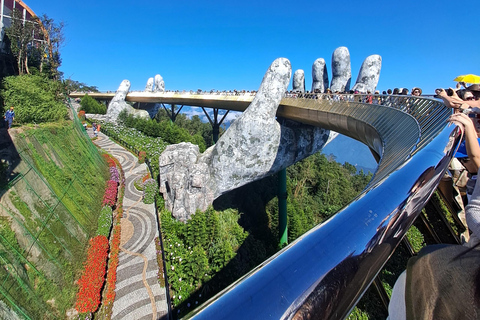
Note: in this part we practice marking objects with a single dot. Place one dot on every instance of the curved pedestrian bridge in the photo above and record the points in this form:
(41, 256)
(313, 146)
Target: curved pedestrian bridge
(324, 273)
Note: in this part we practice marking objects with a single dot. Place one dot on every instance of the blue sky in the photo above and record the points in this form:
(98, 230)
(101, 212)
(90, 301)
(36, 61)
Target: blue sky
(228, 45)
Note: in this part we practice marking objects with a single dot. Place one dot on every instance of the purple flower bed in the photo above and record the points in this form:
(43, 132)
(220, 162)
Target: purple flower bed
(114, 175)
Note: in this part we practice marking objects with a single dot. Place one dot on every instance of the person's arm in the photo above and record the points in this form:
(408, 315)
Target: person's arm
(471, 142)
(472, 211)
(455, 102)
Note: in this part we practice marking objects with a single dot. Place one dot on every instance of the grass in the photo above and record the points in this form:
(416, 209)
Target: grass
(54, 211)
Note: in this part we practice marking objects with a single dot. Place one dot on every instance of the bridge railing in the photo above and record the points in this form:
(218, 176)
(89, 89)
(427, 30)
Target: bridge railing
(324, 273)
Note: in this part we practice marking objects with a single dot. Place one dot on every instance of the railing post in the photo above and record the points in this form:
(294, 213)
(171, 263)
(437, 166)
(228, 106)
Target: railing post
(282, 207)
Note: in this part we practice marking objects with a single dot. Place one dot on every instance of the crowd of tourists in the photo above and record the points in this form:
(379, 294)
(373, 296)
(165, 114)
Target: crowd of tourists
(389, 97)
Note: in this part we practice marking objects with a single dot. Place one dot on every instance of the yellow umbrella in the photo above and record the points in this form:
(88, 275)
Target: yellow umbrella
(468, 78)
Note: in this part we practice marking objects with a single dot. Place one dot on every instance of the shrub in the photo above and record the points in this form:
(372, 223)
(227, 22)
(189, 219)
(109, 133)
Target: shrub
(105, 221)
(138, 184)
(149, 191)
(35, 98)
(168, 131)
(90, 105)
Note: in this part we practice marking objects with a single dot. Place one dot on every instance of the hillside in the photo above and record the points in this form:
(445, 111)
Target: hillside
(53, 178)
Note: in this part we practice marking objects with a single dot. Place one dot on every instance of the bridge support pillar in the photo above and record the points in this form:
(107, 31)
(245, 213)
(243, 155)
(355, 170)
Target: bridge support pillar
(171, 113)
(215, 123)
(282, 207)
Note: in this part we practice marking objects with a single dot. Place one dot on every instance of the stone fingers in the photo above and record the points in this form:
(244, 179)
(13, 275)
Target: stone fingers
(319, 76)
(369, 74)
(299, 81)
(341, 70)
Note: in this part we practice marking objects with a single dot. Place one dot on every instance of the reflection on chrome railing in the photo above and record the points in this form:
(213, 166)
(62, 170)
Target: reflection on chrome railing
(324, 273)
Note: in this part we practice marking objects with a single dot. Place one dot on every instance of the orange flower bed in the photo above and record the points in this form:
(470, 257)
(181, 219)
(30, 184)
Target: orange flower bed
(112, 266)
(91, 282)
(81, 115)
(110, 161)
(146, 177)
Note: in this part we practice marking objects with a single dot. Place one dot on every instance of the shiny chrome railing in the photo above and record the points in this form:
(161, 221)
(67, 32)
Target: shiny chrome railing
(323, 274)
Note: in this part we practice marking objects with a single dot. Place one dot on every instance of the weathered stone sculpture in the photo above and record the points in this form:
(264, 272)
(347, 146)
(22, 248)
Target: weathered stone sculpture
(149, 86)
(254, 146)
(299, 81)
(341, 70)
(319, 76)
(367, 79)
(159, 84)
(369, 74)
(118, 104)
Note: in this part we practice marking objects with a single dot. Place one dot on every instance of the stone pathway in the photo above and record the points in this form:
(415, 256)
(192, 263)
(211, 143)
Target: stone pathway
(138, 292)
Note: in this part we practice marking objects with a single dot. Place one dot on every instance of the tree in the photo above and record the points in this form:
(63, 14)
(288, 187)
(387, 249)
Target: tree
(20, 34)
(72, 85)
(36, 43)
(90, 105)
(54, 38)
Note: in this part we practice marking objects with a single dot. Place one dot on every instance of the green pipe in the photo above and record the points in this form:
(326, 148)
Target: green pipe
(282, 207)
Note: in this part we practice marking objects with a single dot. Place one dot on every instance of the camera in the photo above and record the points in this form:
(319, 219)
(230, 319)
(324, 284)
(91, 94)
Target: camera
(449, 91)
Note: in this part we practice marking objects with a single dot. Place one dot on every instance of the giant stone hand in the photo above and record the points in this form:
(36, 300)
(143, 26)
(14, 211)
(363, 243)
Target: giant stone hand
(367, 79)
(256, 145)
(118, 103)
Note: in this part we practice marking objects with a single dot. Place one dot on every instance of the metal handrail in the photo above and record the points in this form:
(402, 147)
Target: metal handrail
(310, 278)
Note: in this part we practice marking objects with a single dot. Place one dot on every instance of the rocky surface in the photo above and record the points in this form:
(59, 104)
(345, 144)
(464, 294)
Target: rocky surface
(118, 104)
(369, 74)
(299, 81)
(341, 70)
(159, 84)
(149, 86)
(256, 145)
(319, 76)
(182, 180)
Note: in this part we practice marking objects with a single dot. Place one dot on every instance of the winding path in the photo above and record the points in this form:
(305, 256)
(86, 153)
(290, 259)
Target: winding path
(138, 292)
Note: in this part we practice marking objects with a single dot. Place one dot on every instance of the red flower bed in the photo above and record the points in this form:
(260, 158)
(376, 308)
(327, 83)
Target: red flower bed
(110, 196)
(93, 276)
(112, 266)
